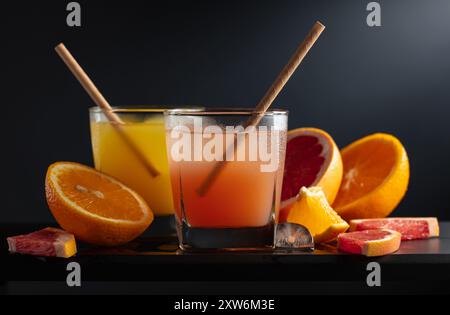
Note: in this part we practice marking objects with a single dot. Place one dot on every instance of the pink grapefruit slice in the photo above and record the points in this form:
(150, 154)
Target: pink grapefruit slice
(49, 242)
(410, 228)
(370, 243)
(312, 159)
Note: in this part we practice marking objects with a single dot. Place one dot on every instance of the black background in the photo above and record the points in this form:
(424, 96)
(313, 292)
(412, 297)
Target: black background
(356, 81)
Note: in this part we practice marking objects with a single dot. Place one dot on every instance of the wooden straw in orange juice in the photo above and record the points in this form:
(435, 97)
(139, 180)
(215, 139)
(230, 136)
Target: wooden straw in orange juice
(103, 104)
(270, 96)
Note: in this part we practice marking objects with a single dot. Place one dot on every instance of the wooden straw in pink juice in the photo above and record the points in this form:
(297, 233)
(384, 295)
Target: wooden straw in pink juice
(103, 104)
(270, 96)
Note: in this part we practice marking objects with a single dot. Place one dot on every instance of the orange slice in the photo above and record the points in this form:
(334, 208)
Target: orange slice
(312, 159)
(376, 177)
(95, 207)
(313, 211)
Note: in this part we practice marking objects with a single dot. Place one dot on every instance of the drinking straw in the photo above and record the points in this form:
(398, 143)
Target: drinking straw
(103, 104)
(270, 96)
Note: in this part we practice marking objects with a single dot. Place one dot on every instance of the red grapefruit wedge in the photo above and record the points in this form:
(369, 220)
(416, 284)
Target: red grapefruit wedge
(49, 242)
(312, 159)
(370, 243)
(410, 228)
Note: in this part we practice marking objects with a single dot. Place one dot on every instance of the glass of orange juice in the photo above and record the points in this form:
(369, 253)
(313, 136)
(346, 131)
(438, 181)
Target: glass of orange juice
(226, 176)
(144, 127)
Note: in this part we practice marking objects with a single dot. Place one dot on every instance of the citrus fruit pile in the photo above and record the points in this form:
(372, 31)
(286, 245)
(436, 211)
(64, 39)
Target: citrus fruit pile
(324, 188)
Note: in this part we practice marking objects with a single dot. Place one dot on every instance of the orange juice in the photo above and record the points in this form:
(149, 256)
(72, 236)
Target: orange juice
(112, 156)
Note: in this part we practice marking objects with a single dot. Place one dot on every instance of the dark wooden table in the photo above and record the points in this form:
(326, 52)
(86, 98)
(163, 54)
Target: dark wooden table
(153, 264)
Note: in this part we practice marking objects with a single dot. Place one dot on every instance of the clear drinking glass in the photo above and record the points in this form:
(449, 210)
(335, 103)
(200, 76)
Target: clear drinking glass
(226, 176)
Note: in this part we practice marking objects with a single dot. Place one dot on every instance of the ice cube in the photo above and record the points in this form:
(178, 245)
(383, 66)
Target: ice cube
(291, 236)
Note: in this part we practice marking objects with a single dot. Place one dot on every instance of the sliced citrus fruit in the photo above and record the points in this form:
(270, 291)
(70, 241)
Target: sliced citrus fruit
(376, 177)
(370, 243)
(312, 159)
(95, 207)
(49, 242)
(313, 211)
(410, 228)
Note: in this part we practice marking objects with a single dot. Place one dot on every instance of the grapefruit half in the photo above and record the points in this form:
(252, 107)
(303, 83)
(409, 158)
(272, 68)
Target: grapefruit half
(312, 159)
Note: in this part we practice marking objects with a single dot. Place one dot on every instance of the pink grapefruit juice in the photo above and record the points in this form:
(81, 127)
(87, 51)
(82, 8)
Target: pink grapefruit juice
(242, 196)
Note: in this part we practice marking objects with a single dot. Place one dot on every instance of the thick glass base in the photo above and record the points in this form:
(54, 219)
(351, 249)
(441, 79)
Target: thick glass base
(226, 239)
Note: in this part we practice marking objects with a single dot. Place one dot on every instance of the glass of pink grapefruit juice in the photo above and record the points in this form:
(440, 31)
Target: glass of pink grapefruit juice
(238, 208)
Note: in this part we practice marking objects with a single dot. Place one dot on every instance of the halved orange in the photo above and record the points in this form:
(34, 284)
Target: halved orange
(95, 207)
(312, 159)
(376, 177)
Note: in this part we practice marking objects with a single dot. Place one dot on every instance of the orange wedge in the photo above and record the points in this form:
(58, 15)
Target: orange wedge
(376, 177)
(96, 208)
(313, 211)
